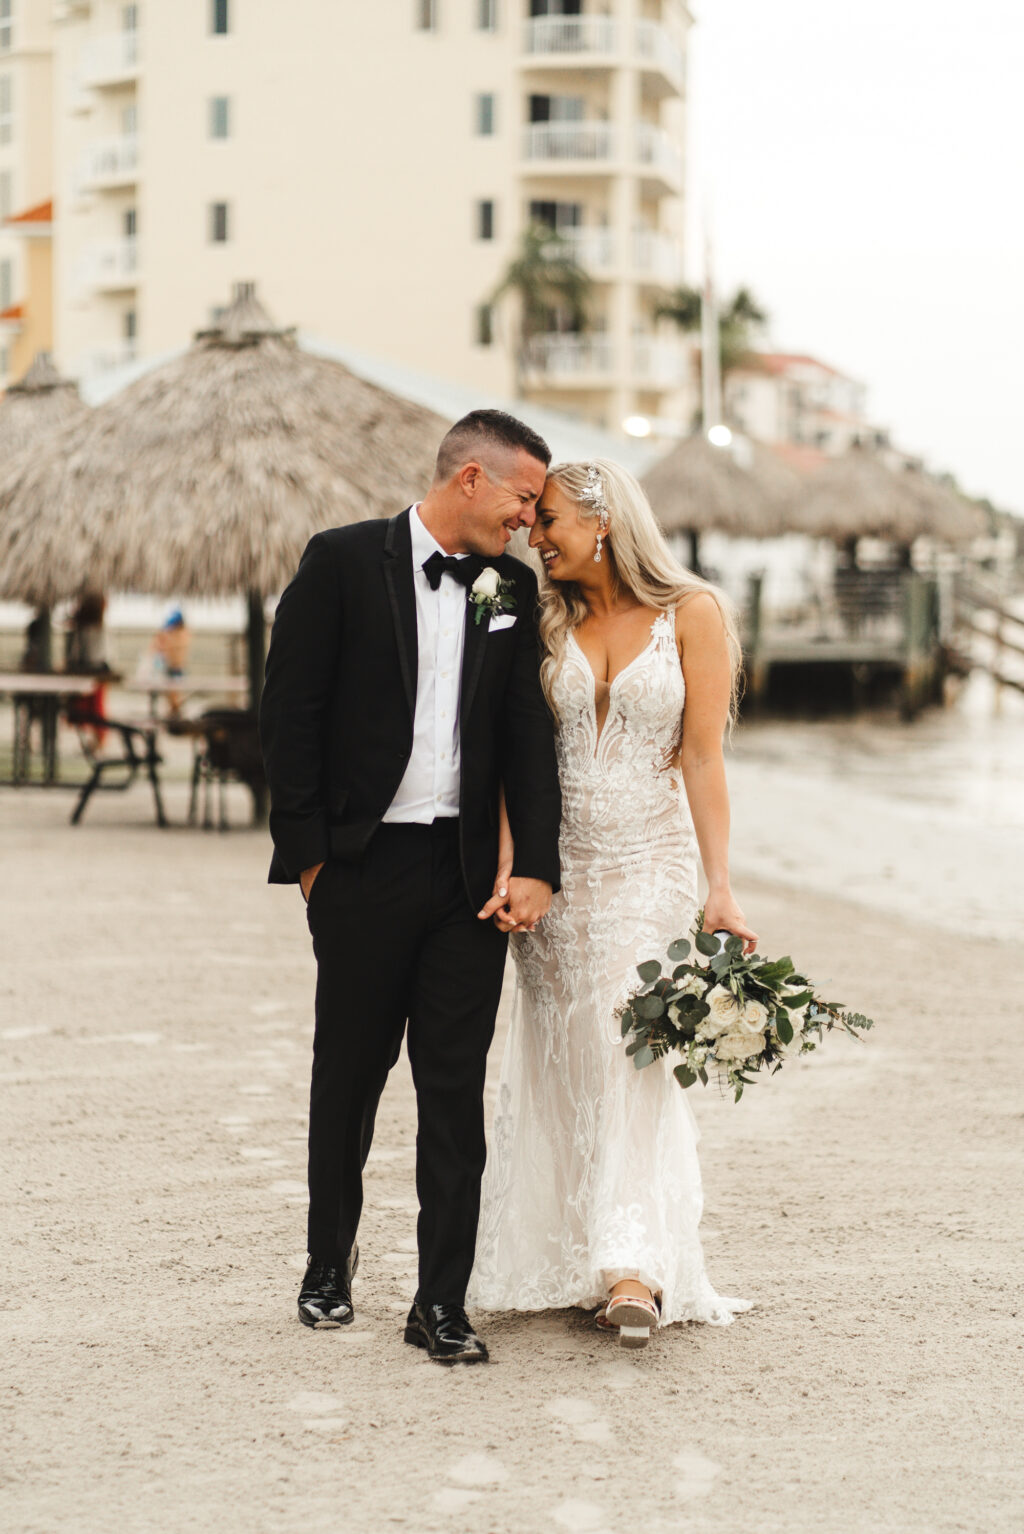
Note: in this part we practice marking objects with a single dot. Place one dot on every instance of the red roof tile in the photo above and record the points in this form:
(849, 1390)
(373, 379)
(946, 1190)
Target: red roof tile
(42, 213)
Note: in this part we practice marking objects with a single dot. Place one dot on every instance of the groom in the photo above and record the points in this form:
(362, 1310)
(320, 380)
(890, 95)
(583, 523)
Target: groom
(402, 692)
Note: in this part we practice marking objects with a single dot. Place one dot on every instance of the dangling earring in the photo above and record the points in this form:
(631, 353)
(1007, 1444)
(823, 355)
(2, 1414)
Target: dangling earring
(597, 556)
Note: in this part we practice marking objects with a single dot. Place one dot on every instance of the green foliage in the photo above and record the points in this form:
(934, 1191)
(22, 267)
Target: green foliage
(661, 1017)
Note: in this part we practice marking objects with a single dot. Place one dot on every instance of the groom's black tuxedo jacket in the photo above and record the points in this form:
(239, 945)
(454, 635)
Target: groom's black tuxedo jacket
(336, 721)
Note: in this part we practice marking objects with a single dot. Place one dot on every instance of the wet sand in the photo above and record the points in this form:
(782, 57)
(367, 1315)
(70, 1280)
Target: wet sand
(154, 1023)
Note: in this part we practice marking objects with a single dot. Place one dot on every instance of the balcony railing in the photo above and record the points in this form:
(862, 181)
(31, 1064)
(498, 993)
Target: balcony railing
(111, 162)
(103, 360)
(660, 362)
(110, 60)
(569, 141)
(593, 249)
(656, 149)
(571, 356)
(113, 264)
(654, 45)
(570, 34)
(658, 257)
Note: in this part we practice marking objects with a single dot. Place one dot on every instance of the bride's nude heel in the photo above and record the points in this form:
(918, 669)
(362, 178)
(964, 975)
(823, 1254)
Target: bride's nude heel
(634, 1319)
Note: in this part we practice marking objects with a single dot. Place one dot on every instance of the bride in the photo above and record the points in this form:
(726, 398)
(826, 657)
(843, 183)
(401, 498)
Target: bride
(592, 1193)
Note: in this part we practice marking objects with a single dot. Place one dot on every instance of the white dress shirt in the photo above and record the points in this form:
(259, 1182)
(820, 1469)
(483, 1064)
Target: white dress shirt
(430, 788)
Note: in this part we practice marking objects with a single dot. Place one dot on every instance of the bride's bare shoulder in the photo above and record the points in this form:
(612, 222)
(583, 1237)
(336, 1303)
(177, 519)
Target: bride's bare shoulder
(698, 617)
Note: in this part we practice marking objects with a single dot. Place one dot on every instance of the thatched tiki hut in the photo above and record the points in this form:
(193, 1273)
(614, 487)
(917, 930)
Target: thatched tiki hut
(31, 411)
(699, 488)
(859, 496)
(208, 475)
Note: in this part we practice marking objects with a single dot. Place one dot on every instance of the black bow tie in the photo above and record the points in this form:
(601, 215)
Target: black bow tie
(437, 564)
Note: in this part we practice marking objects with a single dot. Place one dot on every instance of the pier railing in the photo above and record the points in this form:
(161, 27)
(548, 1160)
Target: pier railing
(987, 632)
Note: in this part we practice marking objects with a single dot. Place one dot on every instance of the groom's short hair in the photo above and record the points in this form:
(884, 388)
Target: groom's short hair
(484, 433)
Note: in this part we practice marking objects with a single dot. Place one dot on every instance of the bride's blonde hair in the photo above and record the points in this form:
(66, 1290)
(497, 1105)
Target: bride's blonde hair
(641, 562)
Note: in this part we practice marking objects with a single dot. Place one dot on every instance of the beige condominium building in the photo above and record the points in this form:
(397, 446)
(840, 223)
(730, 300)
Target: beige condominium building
(372, 166)
(26, 183)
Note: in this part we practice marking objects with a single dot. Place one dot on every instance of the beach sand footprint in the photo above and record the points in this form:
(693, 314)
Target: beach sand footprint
(581, 1418)
(698, 1474)
(478, 1470)
(580, 1517)
(317, 1411)
(475, 1474)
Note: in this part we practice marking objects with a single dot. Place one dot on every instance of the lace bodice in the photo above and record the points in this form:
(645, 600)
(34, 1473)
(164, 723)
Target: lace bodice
(619, 780)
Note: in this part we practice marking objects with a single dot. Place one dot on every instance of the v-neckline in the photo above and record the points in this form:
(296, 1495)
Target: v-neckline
(599, 681)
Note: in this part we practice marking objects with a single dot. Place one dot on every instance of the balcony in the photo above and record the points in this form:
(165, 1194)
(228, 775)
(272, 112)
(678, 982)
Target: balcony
(659, 156)
(105, 359)
(657, 258)
(593, 249)
(567, 42)
(546, 35)
(110, 163)
(113, 265)
(660, 362)
(657, 52)
(575, 359)
(110, 60)
(584, 143)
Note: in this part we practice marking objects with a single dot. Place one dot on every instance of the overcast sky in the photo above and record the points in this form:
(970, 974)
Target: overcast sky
(865, 164)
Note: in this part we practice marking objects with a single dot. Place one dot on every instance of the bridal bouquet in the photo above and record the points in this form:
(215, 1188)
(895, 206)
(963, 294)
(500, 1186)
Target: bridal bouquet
(729, 1014)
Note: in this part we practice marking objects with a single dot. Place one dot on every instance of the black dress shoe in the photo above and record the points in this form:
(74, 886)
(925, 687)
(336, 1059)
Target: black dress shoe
(325, 1299)
(445, 1332)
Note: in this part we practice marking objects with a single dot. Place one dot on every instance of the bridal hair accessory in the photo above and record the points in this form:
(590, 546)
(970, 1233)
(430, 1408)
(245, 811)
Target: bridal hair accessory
(592, 495)
(732, 1014)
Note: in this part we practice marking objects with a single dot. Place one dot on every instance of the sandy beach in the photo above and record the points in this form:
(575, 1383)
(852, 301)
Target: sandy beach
(155, 1028)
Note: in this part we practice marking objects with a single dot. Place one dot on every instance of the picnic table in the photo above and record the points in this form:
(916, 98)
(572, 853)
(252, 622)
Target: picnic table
(40, 695)
(186, 687)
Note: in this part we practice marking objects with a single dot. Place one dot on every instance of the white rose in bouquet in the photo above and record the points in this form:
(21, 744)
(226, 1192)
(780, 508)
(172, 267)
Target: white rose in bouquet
(725, 1011)
(486, 583)
(693, 985)
(754, 1018)
(737, 1046)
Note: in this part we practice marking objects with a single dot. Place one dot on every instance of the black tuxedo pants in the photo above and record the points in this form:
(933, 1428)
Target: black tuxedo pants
(396, 941)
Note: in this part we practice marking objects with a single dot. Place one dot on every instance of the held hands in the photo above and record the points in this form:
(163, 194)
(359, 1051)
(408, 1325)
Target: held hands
(721, 913)
(516, 905)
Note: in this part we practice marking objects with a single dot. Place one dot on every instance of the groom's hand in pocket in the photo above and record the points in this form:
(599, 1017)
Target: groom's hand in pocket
(307, 878)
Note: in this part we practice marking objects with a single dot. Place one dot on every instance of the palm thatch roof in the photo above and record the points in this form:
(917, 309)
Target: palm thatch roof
(859, 495)
(36, 406)
(208, 475)
(699, 488)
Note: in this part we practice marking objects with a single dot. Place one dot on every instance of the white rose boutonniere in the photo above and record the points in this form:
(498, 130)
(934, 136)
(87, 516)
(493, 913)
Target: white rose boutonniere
(490, 595)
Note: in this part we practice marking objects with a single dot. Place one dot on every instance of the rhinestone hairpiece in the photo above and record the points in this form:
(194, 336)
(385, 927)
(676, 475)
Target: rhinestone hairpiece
(592, 494)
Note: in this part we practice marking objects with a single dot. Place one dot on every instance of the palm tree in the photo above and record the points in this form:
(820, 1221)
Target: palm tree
(544, 276)
(738, 321)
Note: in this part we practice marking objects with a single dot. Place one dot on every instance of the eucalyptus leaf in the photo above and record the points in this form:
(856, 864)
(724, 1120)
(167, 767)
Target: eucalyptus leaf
(784, 1029)
(706, 944)
(643, 1057)
(649, 970)
(684, 1075)
(678, 950)
(650, 1006)
(734, 944)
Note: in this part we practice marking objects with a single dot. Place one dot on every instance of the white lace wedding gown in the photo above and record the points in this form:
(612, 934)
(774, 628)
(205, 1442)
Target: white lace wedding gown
(592, 1173)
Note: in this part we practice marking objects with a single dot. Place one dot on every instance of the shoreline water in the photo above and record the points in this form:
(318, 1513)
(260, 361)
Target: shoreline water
(922, 820)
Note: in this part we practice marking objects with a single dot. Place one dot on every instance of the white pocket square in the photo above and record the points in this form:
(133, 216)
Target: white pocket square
(504, 622)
